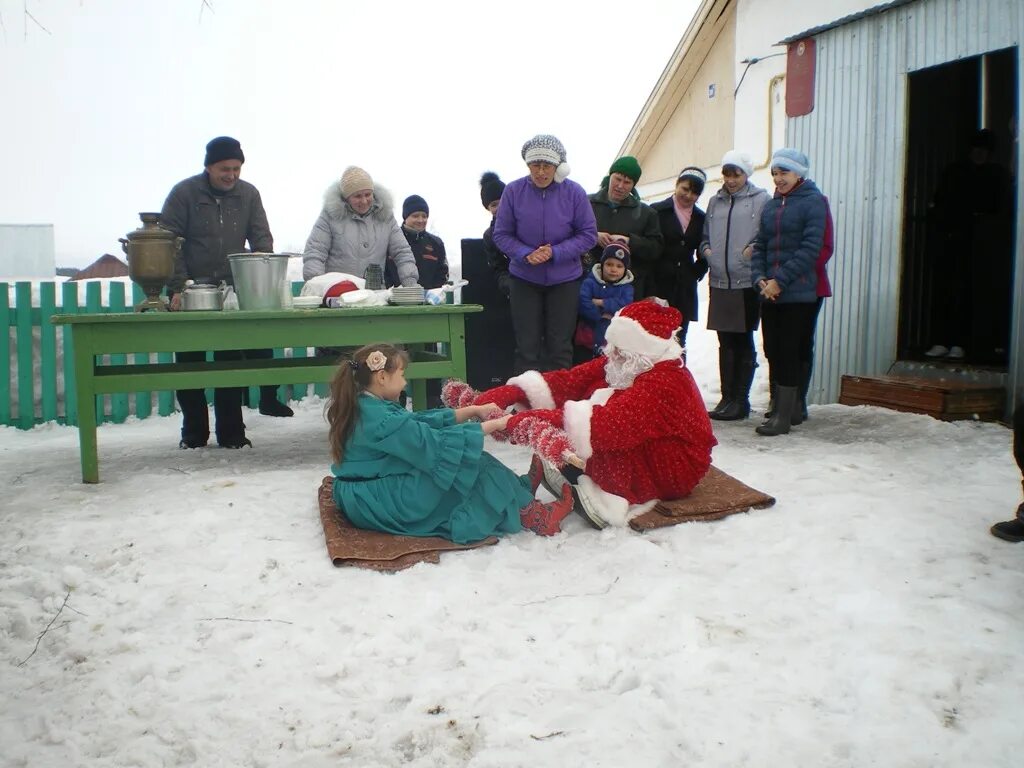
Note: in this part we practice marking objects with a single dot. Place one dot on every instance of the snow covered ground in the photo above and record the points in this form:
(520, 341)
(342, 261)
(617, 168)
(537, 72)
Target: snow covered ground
(184, 612)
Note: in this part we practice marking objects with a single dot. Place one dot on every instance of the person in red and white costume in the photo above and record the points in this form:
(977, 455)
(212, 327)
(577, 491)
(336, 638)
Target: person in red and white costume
(634, 415)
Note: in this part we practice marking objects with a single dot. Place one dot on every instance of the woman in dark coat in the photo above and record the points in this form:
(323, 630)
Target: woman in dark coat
(682, 224)
(783, 269)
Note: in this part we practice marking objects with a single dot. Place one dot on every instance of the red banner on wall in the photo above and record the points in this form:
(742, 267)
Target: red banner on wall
(800, 59)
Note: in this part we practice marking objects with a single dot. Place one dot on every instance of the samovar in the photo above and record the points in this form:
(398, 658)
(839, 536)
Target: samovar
(151, 250)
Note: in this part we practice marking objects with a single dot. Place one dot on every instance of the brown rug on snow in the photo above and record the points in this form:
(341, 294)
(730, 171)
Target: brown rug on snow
(718, 495)
(348, 545)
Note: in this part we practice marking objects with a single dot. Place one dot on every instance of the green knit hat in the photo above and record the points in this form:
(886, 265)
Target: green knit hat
(627, 166)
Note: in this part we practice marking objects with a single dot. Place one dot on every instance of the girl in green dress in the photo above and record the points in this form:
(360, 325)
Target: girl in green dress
(424, 473)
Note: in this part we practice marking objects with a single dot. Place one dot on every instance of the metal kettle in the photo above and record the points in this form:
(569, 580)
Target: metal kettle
(203, 297)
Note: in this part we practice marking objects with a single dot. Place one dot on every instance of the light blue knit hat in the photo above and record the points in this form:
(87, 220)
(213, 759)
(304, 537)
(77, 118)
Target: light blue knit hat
(789, 159)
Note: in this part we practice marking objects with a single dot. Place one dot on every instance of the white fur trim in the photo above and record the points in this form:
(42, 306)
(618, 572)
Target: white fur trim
(576, 419)
(614, 510)
(602, 396)
(538, 393)
(317, 286)
(626, 333)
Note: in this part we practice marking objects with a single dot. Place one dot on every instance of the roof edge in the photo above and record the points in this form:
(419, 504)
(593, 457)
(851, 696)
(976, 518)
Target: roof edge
(872, 11)
(700, 16)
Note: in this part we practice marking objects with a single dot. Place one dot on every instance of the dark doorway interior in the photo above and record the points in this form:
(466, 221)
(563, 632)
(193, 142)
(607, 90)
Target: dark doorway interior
(960, 210)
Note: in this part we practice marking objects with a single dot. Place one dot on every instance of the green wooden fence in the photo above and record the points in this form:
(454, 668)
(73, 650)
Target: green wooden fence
(32, 351)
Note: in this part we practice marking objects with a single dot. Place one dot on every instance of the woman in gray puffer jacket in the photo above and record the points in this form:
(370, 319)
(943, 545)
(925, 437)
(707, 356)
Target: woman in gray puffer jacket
(730, 226)
(357, 228)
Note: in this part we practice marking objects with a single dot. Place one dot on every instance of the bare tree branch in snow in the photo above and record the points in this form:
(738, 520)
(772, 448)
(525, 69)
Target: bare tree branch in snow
(28, 16)
(43, 633)
(203, 5)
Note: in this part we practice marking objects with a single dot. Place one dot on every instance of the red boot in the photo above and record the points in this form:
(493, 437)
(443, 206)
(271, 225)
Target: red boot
(545, 519)
(535, 473)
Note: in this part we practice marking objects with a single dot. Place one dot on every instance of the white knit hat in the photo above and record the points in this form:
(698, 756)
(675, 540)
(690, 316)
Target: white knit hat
(739, 159)
(353, 180)
(545, 148)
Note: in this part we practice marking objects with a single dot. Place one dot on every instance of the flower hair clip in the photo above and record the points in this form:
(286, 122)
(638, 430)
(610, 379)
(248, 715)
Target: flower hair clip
(376, 360)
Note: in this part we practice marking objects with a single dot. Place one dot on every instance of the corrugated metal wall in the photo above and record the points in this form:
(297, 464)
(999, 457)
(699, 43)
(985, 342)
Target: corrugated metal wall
(856, 139)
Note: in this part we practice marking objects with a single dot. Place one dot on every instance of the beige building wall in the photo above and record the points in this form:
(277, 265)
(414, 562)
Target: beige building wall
(686, 125)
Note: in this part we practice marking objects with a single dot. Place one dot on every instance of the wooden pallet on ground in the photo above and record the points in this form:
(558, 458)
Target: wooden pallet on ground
(941, 399)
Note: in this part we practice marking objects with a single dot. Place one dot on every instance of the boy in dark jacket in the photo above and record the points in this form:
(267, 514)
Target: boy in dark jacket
(606, 290)
(491, 188)
(431, 259)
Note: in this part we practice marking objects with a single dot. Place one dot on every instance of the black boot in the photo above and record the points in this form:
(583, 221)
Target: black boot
(727, 375)
(742, 377)
(270, 405)
(800, 411)
(227, 410)
(1011, 530)
(770, 410)
(195, 426)
(778, 424)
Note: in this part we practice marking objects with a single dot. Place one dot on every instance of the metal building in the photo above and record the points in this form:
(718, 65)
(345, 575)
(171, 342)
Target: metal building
(897, 90)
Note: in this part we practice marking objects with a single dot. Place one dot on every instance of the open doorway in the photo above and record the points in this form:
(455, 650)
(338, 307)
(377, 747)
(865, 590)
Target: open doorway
(956, 293)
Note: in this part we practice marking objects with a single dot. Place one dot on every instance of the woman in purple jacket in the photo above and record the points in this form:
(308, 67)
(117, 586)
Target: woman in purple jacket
(544, 224)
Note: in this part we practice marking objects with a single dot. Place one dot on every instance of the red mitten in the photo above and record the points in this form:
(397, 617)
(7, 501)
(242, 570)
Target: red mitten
(547, 440)
(551, 417)
(457, 394)
(502, 396)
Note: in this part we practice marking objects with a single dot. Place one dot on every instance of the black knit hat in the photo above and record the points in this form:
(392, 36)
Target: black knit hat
(491, 188)
(223, 148)
(414, 204)
(618, 251)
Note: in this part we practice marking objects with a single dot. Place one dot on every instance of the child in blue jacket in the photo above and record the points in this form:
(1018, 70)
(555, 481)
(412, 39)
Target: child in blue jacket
(607, 289)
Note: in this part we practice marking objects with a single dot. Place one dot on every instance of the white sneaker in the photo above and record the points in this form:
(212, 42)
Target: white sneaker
(585, 506)
(552, 479)
(956, 353)
(937, 351)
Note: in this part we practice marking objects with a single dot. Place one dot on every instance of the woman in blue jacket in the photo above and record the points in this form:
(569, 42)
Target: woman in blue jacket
(783, 271)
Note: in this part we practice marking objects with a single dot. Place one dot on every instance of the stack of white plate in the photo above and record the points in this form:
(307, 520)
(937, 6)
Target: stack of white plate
(409, 294)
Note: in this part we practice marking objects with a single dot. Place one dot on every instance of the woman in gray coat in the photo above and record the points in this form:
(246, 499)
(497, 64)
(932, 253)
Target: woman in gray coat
(730, 226)
(356, 229)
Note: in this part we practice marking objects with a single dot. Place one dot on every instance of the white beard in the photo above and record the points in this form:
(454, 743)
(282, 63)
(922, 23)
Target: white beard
(623, 367)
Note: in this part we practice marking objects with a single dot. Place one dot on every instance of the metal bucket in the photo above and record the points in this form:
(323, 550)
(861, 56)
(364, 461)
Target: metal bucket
(258, 278)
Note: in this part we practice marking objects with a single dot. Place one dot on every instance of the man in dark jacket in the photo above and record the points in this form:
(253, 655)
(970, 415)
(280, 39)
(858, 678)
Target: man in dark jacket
(431, 259)
(217, 213)
(621, 217)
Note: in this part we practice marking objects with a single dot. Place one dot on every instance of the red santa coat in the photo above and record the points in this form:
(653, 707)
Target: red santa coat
(651, 441)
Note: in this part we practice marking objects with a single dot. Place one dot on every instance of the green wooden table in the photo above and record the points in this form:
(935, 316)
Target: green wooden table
(104, 334)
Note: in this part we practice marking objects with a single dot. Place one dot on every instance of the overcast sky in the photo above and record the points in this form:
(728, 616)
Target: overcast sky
(111, 106)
